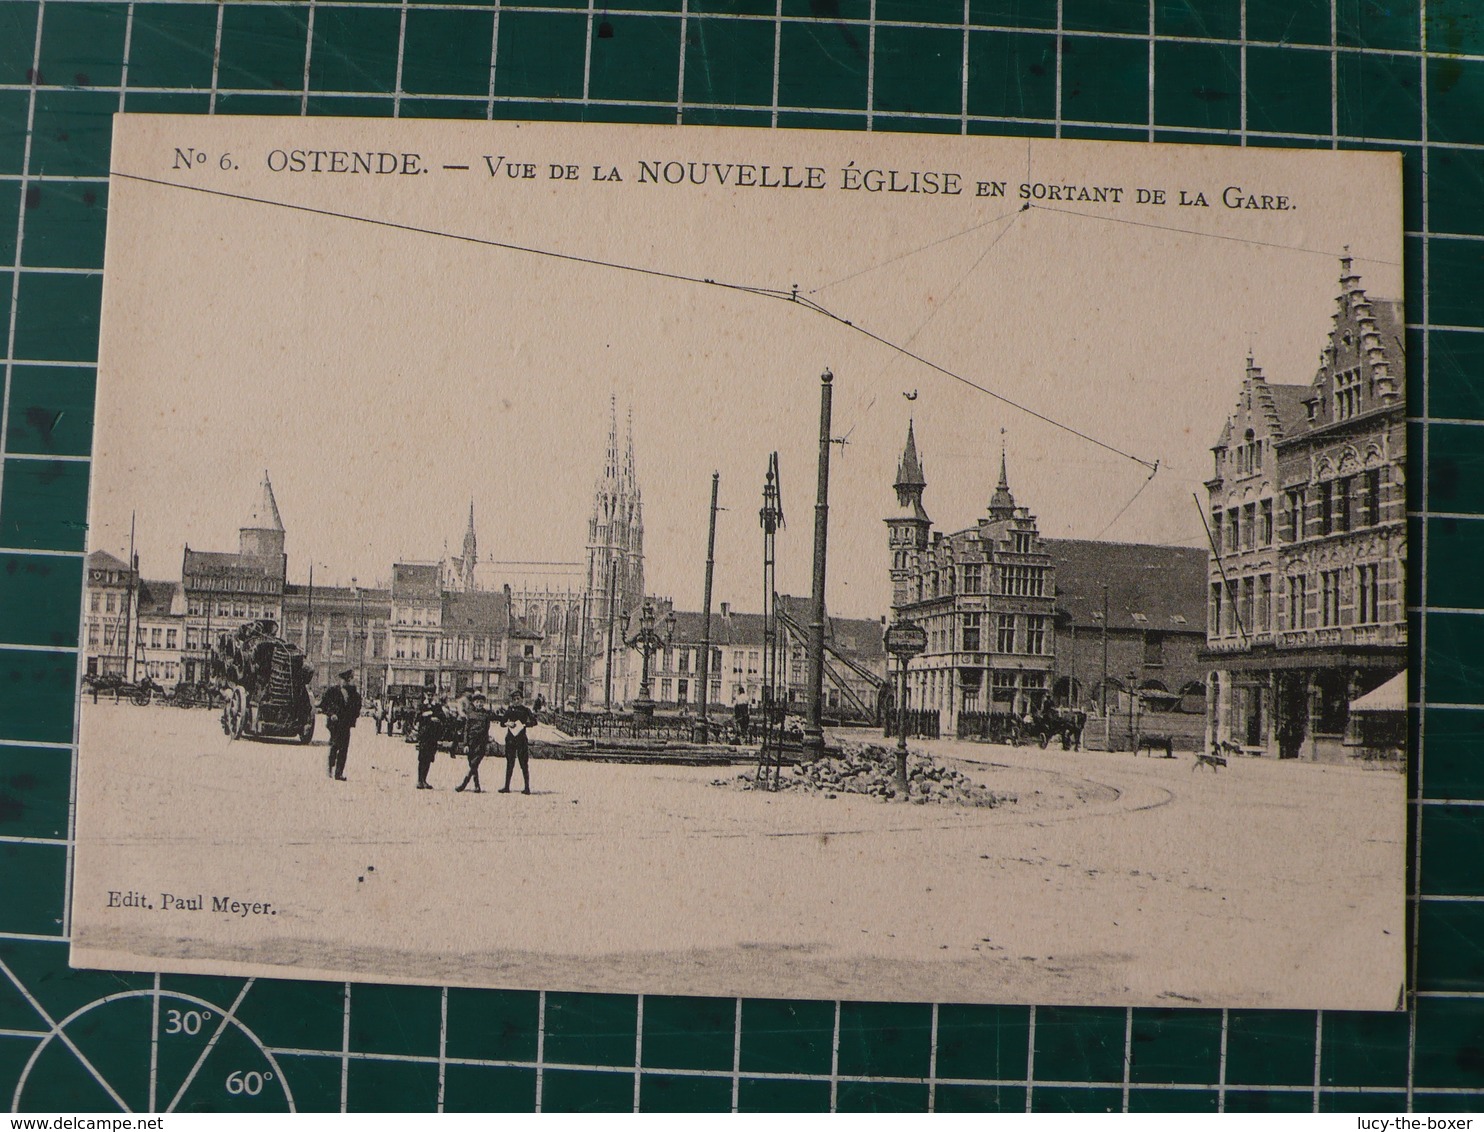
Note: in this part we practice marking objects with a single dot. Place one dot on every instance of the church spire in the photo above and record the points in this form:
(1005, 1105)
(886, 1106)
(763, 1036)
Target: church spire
(610, 465)
(1002, 503)
(471, 554)
(909, 471)
(630, 476)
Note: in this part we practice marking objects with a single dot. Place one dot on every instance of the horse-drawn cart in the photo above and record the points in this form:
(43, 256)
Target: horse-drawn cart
(265, 684)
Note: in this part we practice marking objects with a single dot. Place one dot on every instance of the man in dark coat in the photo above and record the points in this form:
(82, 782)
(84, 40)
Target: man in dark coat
(342, 707)
(518, 719)
(476, 740)
(430, 724)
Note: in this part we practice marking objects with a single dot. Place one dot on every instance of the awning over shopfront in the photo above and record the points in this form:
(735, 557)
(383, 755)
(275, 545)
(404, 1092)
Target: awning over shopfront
(1389, 697)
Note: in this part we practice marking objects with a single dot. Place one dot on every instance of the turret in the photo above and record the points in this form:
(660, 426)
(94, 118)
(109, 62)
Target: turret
(908, 528)
(262, 536)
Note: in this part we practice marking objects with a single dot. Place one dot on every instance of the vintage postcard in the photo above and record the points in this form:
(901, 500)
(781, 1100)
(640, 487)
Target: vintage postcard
(736, 562)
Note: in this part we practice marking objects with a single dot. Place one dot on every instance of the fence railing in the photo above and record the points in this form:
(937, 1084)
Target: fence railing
(921, 724)
(595, 725)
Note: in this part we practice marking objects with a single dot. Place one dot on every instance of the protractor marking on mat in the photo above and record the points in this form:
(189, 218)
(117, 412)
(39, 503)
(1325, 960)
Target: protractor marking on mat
(199, 1057)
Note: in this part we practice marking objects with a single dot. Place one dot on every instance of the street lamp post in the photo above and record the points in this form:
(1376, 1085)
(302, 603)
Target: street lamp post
(648, 641)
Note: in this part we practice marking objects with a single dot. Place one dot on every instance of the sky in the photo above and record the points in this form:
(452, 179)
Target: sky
(386, 378)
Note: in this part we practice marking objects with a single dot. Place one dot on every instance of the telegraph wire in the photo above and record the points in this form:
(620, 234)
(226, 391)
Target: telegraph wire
(1205, 235)
(790, 295)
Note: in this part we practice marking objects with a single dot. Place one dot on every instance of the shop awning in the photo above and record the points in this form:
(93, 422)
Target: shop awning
(1390, 696)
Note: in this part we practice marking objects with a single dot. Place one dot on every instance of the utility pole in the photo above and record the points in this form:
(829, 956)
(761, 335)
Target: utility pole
(1107, 731)
(770, 518)
(705, 665)
(814, 728)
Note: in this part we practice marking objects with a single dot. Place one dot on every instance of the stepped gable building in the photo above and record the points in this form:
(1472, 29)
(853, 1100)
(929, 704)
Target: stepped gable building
(1154, 601)
(223, 589)
(1306, 608)
(985, 596)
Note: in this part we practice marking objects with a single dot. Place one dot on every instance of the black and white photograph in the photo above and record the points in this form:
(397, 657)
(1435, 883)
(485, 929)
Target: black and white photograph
(710, 561)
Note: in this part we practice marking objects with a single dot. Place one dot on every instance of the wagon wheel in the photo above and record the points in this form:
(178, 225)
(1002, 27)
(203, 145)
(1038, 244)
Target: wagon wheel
(234, 714)
(142, 695)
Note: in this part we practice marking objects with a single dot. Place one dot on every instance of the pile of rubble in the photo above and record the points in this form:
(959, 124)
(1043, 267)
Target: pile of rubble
(870, 769)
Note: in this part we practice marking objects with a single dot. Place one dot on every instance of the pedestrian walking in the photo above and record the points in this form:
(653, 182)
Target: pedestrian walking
(430, 724)
(342, 706)
(476, 740)
(742, 717)
(518, 720)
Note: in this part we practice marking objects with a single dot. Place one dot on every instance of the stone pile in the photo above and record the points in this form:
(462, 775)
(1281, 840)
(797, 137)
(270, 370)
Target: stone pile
(870, 769)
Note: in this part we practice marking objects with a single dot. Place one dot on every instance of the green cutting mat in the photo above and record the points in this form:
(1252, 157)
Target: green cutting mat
(1305, 73)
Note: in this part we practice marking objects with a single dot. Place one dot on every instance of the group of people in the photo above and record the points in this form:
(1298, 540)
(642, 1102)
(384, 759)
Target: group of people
(437, 722)
(470, 730)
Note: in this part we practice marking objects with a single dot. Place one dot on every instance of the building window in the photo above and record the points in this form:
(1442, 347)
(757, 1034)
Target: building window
(684, 661)
(478, 648)
(1264, 620)
(974, 578)
(1334, 597)
(682, 691)
(93, 633)
(1326, 507)
(1022, 581)
(1154, 647)
(529, 650)
(1373, 497)
(754, 658)
(1265, 523)
(108, 633)
(1298, 586)
(111, 603)
(1234, 529)
(1248, 599)
(1213, 626)
(971, 629)
(1347, 393)
(1249, 525)
(1217, 529)
(93, 602)
(1035, 634)
(1005, 633)
(170, 638)
(1296, 515)
(1342, 503)
(1022, 541)
(1368, 593)
(665, 689)
(154, 638)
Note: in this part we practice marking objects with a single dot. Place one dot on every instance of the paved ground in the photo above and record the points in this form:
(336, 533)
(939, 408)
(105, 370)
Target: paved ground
(1111, 879)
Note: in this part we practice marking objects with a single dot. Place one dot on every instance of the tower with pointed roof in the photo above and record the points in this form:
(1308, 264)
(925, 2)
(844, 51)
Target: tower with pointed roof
(262, 536)
(1002, 503)
(466, 581)
(615, 559)
(907, 529)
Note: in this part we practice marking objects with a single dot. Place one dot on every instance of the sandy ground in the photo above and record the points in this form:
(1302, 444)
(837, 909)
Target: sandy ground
(1111, 879)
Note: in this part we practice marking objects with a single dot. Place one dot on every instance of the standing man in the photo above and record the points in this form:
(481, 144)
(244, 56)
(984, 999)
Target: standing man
(342, 707)
(430, 722)
(518, 719)
(476, 740)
